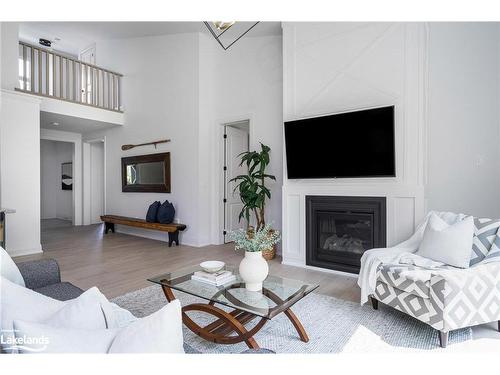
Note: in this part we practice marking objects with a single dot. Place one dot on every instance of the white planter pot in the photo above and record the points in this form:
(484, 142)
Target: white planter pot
(253, 270)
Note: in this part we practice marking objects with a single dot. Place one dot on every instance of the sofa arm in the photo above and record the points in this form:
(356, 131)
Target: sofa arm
(40, 273)
(466, 297)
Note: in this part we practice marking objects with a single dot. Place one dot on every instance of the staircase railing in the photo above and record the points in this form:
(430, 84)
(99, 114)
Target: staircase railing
(51, 74)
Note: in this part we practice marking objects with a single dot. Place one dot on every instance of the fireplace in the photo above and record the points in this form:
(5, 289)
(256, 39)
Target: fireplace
(341, 229)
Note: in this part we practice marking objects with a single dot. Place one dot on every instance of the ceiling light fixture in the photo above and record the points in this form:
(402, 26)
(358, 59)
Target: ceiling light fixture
(218, 28)
(221, 25)
(54, 123)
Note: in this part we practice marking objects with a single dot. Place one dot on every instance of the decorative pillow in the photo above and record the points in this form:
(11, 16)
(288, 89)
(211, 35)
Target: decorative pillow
(161, 332)
(90, 310)
(8, 268)
(166, 213)
(43, 339)
(85, 312)
(152, 213)
(494, 253)
(485, 231)
(449, 244)
(25, 304)
(121, 317)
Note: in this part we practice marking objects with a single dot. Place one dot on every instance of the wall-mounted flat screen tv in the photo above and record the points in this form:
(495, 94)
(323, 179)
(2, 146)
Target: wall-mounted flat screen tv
(344, 145)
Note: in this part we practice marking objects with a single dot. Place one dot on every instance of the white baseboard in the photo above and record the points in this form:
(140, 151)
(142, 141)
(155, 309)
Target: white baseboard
(23, 252)
(155, 235)
(312, 268)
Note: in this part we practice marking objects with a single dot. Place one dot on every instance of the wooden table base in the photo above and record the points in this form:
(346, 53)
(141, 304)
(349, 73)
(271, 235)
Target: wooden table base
(221, 330)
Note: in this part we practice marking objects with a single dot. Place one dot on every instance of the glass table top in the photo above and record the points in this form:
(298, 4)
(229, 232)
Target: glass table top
(278, 294)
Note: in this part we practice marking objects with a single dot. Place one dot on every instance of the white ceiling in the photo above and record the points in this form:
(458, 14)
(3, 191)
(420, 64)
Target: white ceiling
(76, 36)
(71, 124)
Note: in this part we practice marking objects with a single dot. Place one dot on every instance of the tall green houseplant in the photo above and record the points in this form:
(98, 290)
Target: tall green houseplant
(252, 186)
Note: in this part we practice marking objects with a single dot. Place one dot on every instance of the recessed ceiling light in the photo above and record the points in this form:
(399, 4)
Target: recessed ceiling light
(54, 123)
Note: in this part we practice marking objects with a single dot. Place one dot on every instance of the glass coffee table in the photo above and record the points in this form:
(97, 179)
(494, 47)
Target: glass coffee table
(230, 327)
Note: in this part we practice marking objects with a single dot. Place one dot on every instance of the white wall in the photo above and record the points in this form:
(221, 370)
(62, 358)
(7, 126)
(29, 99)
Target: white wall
(249, 85)
(48, 180)
(9, 55)
(335, 67)
(55, 202)
(160, 97)
(171, 89)
(96, 181)
(464, 151)
(443, 79)
(20, 171)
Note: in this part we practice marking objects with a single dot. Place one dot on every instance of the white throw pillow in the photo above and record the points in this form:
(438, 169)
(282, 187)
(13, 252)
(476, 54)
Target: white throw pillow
(84, 312)
(22, 303)
(8, 268)
(43, 339)
(160, 332)
(91, 310)
(449, 244)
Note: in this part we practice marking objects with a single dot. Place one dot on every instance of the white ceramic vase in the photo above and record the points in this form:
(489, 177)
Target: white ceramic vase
(253, 270)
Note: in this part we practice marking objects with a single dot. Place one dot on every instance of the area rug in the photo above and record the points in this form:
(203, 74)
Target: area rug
(333, 326)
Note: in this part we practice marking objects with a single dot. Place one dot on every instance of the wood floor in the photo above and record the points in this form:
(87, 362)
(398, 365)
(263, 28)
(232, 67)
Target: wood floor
(119, 263)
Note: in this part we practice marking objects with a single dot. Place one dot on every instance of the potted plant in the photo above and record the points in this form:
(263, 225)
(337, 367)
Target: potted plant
(253, 268)
(254, 192)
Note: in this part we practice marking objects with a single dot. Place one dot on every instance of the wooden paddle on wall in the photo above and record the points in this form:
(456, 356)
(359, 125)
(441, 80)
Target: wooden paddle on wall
(128, 147)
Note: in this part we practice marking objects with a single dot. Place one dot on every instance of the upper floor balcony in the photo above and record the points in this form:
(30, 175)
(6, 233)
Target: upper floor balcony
(53, 75)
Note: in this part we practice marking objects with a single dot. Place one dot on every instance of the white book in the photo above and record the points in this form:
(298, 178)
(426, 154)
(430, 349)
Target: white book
(218, 280)
(226, 280)
(216, 276)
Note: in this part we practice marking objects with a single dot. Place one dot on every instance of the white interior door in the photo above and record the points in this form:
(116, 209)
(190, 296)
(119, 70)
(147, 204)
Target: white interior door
(96, 182)
(88, 55)
(236, 142)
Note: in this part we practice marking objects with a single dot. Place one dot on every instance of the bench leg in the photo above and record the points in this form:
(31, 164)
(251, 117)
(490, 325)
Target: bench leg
(173, 237)
(109, 226)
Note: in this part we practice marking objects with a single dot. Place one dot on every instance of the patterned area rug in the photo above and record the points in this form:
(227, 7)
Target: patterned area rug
(333, 326)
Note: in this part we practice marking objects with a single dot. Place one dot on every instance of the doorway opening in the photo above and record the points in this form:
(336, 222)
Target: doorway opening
(236, 141)
(56, 184)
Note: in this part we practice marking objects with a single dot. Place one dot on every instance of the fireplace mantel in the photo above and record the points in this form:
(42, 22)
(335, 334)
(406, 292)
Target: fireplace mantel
(404, 209)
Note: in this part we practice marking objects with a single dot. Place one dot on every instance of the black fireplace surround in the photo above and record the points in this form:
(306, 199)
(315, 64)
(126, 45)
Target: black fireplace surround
(340, 229)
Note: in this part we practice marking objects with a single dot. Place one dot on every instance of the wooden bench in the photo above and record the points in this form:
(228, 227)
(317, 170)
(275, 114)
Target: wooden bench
(172, 229)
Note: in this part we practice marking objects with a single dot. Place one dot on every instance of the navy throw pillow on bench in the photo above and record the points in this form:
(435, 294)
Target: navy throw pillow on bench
(153, 212)
(166, 213)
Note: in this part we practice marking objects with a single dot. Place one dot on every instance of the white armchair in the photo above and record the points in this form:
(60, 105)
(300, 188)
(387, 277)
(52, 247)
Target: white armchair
(444, 297)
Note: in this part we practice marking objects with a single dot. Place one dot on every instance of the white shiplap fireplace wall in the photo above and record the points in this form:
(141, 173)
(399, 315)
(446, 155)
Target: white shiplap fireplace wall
(337, 67)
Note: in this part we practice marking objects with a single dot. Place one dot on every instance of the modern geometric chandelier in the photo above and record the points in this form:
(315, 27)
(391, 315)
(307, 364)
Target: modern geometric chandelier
(226, 33)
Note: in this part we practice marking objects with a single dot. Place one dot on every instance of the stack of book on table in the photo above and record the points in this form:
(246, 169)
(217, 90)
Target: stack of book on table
(217, 278)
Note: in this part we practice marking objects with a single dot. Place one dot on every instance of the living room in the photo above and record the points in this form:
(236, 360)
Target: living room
(304, 186)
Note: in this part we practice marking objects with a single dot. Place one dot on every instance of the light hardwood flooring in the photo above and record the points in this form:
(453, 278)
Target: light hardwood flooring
(118, 263)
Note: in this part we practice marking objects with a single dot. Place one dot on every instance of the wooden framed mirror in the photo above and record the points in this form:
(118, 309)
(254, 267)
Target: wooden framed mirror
(146, 173)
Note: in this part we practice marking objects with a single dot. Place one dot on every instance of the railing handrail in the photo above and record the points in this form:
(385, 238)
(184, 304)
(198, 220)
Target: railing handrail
(69, 58)
(55, 75)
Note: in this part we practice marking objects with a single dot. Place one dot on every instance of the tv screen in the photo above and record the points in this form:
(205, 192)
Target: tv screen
(344, 145)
